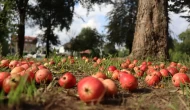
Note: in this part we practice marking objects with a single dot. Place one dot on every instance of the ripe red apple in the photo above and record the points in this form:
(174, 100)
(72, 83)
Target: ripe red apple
(41, 67)
(43, 75)
(51, 62)
(111, 88)
(173, 64)
(115, 74)
(136, 69)
(131, 66)
(150, 70)
(67, 81)
(180, 78)
(135, 62)
(98, 61)
(144, 63)
(128, 61)
(111, 69)
(157, 73)
(128, 82)
(17, 70)
(172, 70)
(95, 58)
(90, 89)
(140, 73)
(11, 82)
(13, 64)
(162, 65)
(99, 74)
(149, 63)
(25, 66)
(152, 79)
(4, 63)
(28, 74)
(143, 67)
(3, 75)
(164, 72)
(122, 73)
(124, 65)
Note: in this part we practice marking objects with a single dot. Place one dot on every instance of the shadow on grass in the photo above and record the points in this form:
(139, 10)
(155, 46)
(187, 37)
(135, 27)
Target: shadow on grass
(142, 90)
(122, 96)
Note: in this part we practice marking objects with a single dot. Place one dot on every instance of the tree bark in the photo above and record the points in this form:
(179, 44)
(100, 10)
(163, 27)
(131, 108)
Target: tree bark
(47, 40)
(151, 31)
(22, 6)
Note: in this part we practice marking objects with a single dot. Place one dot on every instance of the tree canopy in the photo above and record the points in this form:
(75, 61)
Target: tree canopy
(121, 24)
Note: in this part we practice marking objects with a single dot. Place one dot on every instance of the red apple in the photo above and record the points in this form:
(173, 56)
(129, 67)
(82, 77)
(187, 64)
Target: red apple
(180, 78)
(143, 67)
(99, 75)
(173, 64)
(95, 58)
(164, 72)
(157, 73)
(90, 89)
(135, 62)
(43, 75)
(162, 65)
(111, 88)
(17, 70)
(111, 69)
(115, 74)
(152, 79)
(128, 61)
(4, 63)
(67, 81)
(131, 66)
(172, 70)
(3, 75)
(13, 64)
(128, 82)
(124, 65)
(140, 73)
(11, 82)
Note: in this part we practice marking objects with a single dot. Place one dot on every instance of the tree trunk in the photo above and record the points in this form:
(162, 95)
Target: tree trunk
(22, 6)
(151, 31)
(21, 33)
(47, 41)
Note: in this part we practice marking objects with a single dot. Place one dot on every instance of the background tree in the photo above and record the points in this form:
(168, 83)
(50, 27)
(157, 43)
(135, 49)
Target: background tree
(109, 49)
(121, 24)
(50, 15)
(184, 45)
(88, 38)
(6, 15)
(180, 6)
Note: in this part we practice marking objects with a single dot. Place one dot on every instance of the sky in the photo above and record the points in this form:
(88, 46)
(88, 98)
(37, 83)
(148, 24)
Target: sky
(97, 19)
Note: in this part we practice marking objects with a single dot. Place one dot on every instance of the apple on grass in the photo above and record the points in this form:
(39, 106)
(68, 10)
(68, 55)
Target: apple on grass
(180, 79)
(91, 90)
(67, 81)
(128, 82)
(111, 88)
(3, 76)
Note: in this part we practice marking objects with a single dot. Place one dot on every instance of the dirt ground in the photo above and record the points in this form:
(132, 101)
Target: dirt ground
(161, 97)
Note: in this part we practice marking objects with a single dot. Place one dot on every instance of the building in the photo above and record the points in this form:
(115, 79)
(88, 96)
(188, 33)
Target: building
(29, 45)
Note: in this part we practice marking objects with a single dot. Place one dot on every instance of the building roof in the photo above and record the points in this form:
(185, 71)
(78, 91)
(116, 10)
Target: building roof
(28, 39)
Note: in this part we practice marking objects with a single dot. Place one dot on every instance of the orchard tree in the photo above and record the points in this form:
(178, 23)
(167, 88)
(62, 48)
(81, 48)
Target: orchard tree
(6, 15)
(50, 15)
(151, 30)
(121, 24)
(180, 6)
(88, 38)
(184, 45)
